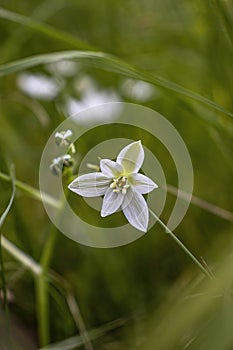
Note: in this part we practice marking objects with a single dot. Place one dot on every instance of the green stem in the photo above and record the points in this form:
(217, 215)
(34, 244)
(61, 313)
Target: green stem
(42, 284)
(23, 258)
(2, 220)
(6, 325)
(4, 290)
(39, 271)
(42, 304)
(33, 192)
(182, 246)
(40, 276)
(42, 290)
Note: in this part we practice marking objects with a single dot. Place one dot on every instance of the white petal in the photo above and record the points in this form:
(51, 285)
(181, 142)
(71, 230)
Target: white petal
(127, 198)
(142, 183)
(136, 212)
(90, 185)
(68, 133)
(110, 168)
(131, 157)
(111, 203)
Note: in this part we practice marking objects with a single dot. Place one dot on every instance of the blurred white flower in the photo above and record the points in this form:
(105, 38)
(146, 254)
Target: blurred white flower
(64, 68)
(121, 185)
(138, 90)
(90, 99)
(38, 85)
(63, 138)
(59, 163)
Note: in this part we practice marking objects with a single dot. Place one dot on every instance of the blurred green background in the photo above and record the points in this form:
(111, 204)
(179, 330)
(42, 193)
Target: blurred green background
(148, 294)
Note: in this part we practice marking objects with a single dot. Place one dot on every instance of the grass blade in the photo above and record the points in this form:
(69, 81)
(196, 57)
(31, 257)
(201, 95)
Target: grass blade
(109, 63)
(222, 146)
(67, 291)
(45, 10)
(27, 261)
(31, 191)
(201, 203)
(222, 12)
(2, 220)
(76, 341)
(6, 211)
(44, 29)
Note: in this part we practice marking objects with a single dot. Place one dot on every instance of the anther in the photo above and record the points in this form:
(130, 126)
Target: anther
(120, 185)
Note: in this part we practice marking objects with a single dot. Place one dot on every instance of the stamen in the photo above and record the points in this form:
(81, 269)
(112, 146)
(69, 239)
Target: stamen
(120, 185)
(93, 166)
(124, 190)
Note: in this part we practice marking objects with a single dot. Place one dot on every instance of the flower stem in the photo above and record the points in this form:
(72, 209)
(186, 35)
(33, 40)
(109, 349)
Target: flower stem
(42, 289)
(182, 246)
(42, 285)
(42, 306)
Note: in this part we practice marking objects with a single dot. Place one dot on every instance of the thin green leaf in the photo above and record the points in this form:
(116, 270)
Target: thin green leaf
(108, 63)
(222, 146)
(225, 16)
(44, 29)
(27, 261)
(6, 211)
(45, 10)
(32, 192)
(201, 203)
(77, 341)
(58, 283)
(2, 220)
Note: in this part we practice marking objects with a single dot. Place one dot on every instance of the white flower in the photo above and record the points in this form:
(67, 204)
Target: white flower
(58, 164)
(63, 138)
(38, 85)
(121, 185)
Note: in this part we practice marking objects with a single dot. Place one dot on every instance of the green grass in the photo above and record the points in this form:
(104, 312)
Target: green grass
(57, 294)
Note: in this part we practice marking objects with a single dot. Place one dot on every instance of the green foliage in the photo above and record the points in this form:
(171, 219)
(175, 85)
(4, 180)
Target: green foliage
(148, 294)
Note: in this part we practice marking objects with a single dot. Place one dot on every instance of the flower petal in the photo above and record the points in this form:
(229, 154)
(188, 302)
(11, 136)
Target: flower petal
(142, 183)
(131, 157)
(111, 203)
(62, 138)
(110, 168)
(68, 133)
(136, 212)
(90, 185)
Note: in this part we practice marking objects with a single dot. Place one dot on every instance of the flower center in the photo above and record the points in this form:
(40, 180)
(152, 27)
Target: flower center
(120, 185)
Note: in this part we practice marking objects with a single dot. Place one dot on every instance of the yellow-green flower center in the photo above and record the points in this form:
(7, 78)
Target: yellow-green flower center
(120, 185)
